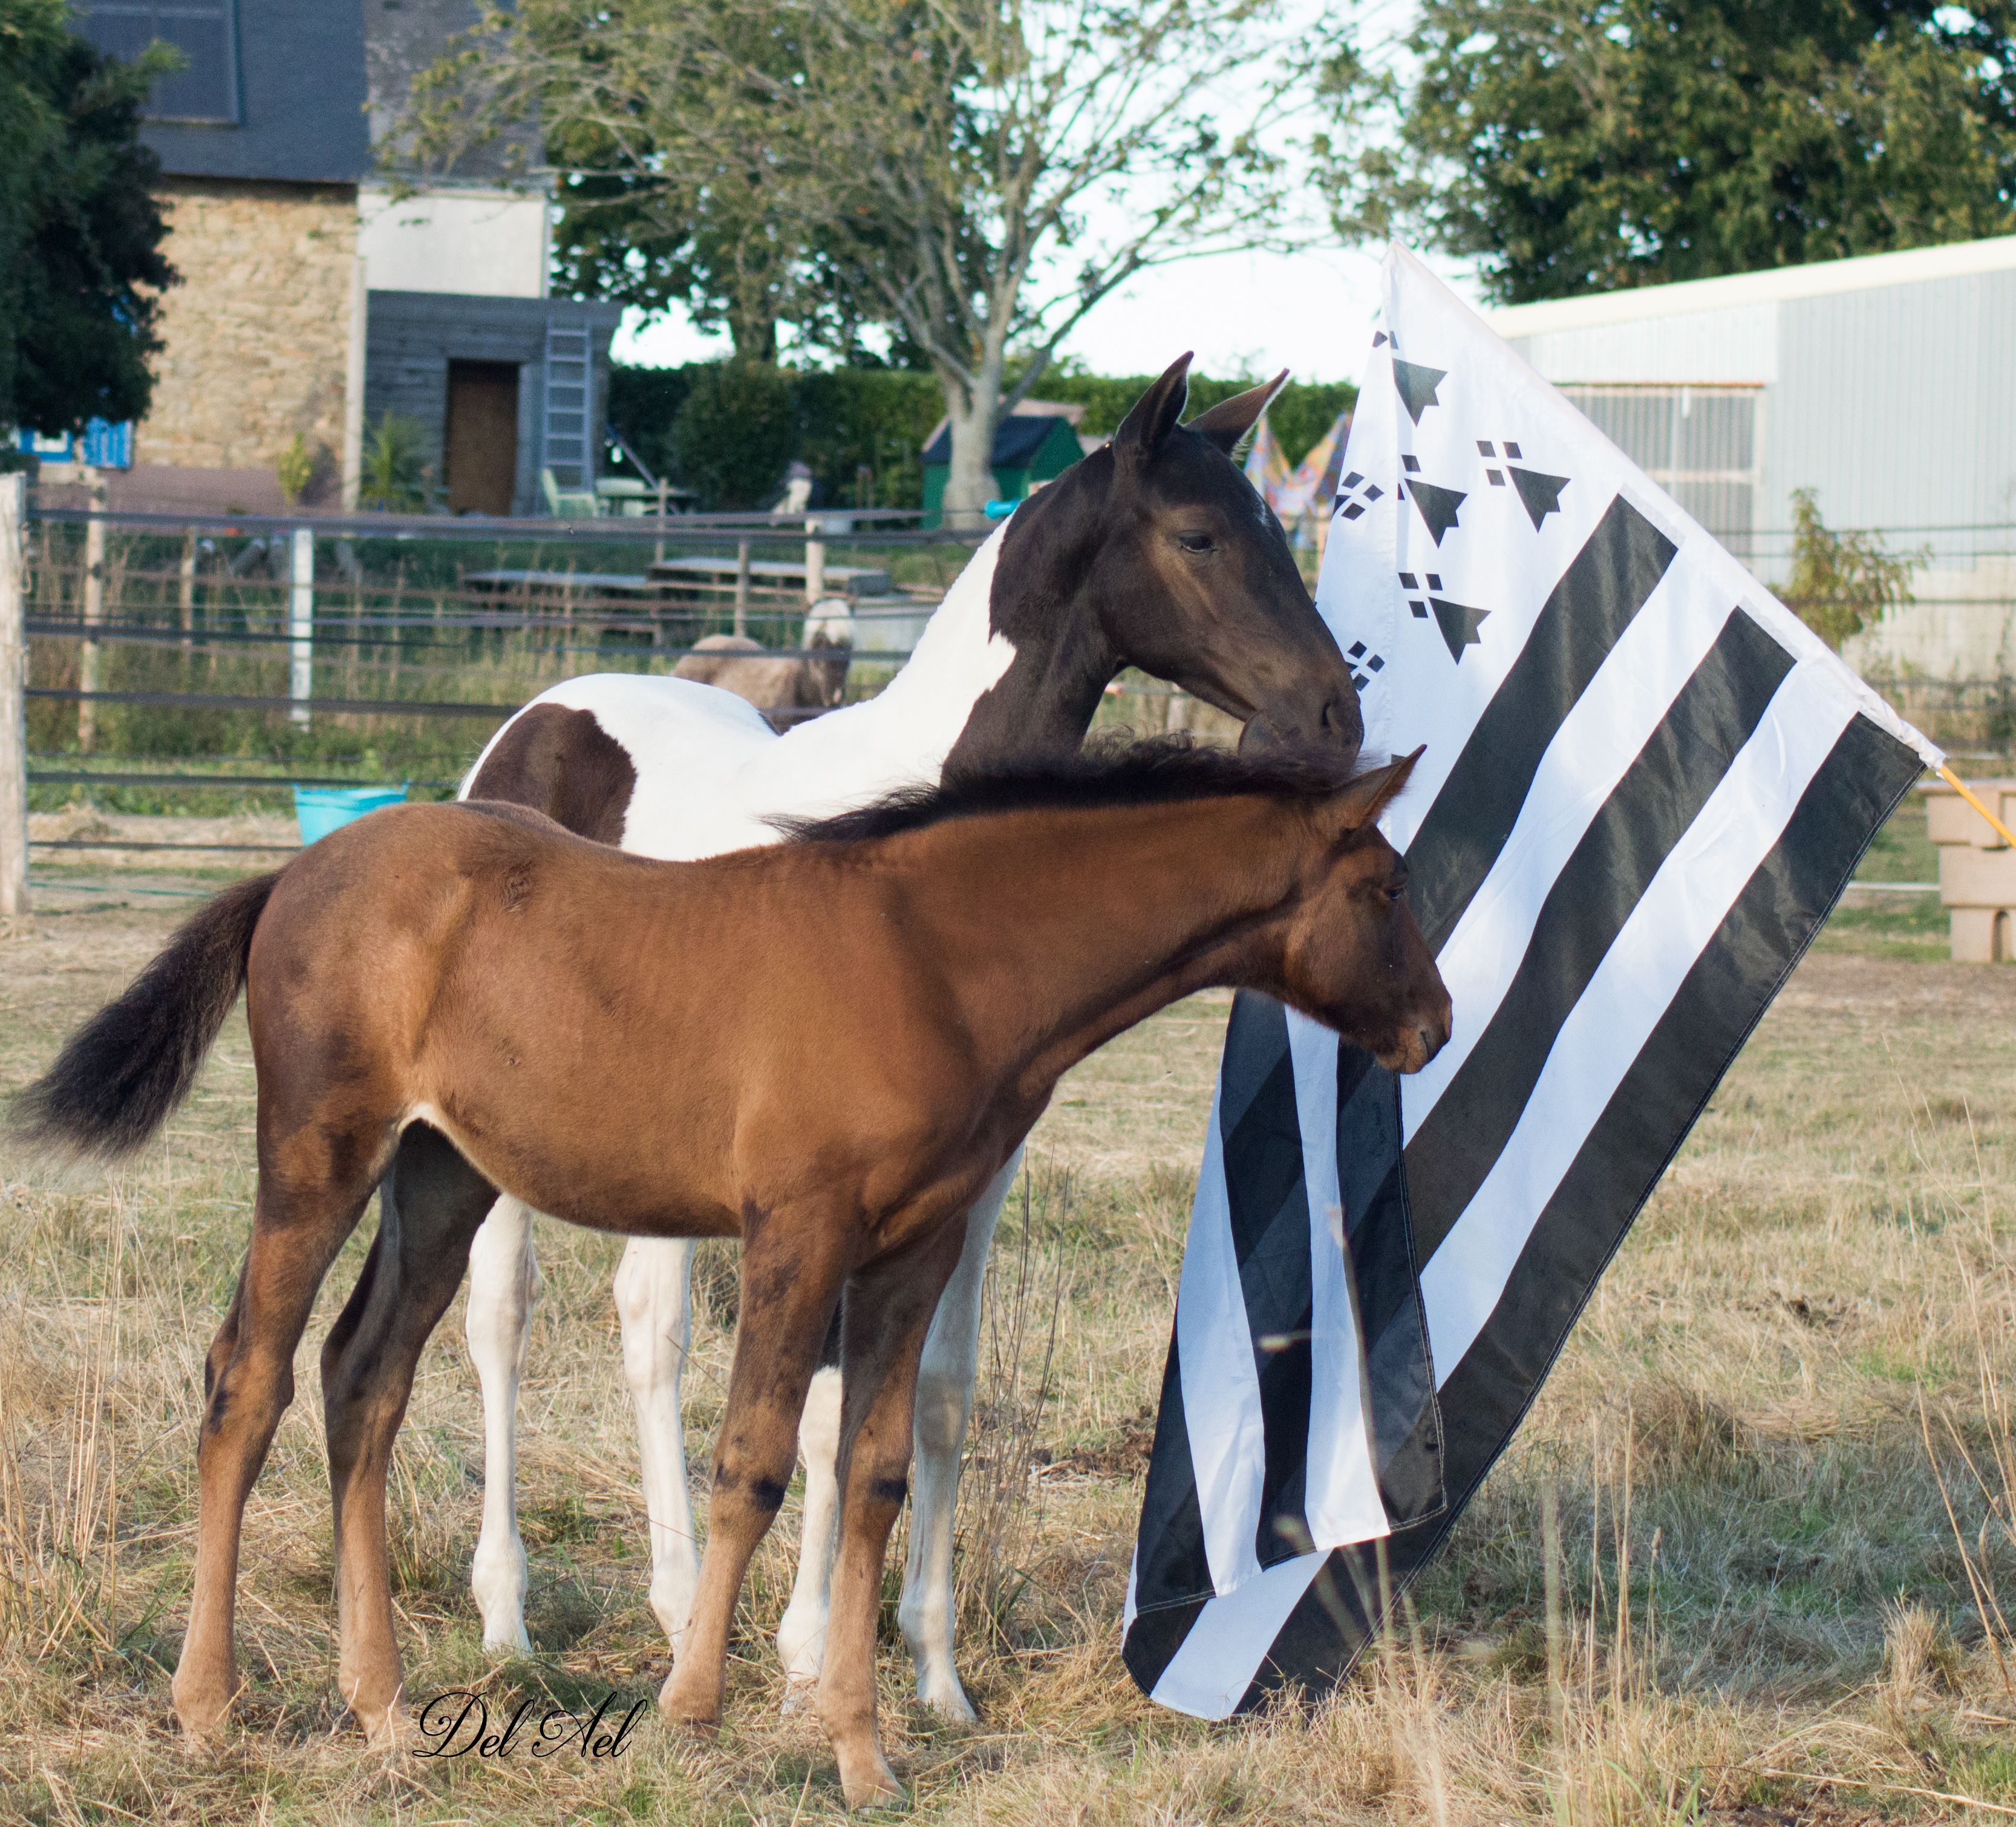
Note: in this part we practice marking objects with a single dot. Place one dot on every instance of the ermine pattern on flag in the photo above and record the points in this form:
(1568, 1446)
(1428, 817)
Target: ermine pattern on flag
(1645, 785)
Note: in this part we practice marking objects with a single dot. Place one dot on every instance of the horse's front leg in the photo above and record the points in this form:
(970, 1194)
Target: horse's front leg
(653, 1302)
(792, 1268)
(889, 1310)
(946, 1376)
(503, 1284)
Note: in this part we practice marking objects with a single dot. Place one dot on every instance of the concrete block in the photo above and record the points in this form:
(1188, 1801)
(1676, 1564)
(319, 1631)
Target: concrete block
(1969, 877)
(1949, 820)
(1982, 935)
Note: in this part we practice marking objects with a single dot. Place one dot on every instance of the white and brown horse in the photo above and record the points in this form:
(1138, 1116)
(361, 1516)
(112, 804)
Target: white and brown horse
(1154, 552)
(462, 1001)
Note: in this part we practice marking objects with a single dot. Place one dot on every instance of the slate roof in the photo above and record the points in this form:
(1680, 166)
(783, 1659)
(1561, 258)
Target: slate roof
(300, 100)
(401, 38)
(319, 82)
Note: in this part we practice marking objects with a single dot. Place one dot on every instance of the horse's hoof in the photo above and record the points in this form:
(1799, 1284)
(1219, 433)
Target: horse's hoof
(798, 1691)
(690, 1708)
(385, 1728)
(947, 1700)
(867, 1781)
(203, 1715)
(507, 1643)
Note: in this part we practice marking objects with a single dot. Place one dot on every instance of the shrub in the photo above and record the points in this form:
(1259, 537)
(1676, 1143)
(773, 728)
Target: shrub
(1842, 582)
(735, 434)
(396, 477)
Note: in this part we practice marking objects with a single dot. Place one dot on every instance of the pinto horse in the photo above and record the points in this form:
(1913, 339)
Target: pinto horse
(1154, 552)
(461, 1001)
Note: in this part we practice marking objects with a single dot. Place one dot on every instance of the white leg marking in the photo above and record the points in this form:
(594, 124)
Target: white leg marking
(944, 1403)
(802, 1631)
(652, 1286)
(503, 1284)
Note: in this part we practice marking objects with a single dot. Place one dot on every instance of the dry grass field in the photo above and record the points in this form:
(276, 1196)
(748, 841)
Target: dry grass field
(1768, 1489)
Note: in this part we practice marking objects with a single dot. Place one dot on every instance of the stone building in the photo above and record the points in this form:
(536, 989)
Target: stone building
(314, 300)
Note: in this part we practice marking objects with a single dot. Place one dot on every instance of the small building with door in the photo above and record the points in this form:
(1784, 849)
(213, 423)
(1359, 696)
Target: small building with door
(316, 296)
(1035, 442)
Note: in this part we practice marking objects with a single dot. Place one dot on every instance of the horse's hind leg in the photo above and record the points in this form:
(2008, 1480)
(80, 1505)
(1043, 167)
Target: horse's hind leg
(887, 1310)
(431, 1203)
(248, 1381)
(945, 1374)
(801, 1630)
(503, 1284)
(653, 1289)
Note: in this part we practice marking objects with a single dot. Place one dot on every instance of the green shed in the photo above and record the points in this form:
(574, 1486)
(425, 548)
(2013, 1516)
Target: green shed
(1029, 447)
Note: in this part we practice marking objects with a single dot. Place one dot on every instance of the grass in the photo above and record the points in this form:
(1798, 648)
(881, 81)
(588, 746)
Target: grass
(1751, 1559)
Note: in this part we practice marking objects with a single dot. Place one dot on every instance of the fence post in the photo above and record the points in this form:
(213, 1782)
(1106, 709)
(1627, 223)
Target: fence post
(301, 626)
(188, 593)
(13, 694)
(742, 587)
(815, 561)
(94, 612)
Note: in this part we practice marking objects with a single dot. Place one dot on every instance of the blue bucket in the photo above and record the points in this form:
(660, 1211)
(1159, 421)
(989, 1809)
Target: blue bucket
(318, 810)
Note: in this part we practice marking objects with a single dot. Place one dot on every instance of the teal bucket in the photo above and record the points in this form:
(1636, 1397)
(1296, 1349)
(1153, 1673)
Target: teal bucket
(318, 810)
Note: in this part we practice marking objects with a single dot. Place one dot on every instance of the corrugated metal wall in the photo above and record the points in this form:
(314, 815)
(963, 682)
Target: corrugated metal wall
(1898, 406)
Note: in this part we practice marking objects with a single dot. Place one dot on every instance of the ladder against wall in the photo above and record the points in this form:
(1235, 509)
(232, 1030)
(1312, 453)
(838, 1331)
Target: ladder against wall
(565, 446)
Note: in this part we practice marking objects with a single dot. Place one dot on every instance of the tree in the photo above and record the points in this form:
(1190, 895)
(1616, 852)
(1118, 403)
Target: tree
(81, 260)
(1581, 145)
(1842, 582)
(974, 175)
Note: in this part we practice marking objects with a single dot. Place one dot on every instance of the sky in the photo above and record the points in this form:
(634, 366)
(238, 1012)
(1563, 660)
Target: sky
(1243, 313)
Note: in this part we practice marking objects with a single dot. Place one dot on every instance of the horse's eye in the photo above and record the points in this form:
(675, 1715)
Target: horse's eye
(1197, 542)
(1397, 891)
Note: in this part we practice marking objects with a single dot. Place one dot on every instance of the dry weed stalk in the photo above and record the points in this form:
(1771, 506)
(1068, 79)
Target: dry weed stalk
(1989, 1309)
(58, 1533)
(999, 1523)
(1619, 1755)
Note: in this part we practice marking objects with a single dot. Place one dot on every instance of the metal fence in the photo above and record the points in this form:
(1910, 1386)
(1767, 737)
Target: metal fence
(157, 660)
(176, 662)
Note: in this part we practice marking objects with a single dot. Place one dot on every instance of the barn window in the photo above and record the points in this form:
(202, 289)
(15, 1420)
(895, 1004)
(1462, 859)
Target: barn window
(1704, 445)
(206, 33)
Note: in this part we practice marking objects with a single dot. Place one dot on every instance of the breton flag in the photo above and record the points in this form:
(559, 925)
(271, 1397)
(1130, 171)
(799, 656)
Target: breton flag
(1646, 783)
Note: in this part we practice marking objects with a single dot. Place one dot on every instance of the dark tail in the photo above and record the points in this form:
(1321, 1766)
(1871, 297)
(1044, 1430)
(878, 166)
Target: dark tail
(119, 1074)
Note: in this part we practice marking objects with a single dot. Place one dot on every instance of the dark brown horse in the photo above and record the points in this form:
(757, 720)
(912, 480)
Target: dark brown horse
(453, 1000)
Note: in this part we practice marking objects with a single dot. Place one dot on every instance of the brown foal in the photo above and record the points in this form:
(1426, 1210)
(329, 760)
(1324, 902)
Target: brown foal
(438, 995)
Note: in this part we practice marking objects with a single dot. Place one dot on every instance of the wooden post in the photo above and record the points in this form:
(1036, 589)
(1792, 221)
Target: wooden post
(94, 612)
(742, 587)
(13, 698)
(300, 627)
(188, 581)
(658, 556)
(815, 561)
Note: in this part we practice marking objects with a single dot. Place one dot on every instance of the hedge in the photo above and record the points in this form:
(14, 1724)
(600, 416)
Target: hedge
(729, 433)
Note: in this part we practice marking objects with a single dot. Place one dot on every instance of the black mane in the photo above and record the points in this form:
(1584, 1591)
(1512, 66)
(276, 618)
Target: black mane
(1104, 773)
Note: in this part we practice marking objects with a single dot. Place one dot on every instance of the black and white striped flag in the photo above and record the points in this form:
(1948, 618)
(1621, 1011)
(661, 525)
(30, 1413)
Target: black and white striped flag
(1646, 784)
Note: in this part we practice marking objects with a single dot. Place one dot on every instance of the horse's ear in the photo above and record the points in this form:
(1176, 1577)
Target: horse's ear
(1360, 804)
(1154, 415)
(1230, 420)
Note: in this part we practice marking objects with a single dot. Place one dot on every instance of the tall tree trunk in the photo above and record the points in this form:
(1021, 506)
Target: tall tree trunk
(755, 336)
(973, 410)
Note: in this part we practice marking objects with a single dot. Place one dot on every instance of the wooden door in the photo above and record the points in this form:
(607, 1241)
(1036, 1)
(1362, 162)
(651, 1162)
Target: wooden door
(482, 438)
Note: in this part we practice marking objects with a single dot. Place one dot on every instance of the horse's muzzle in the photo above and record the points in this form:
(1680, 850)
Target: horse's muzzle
(1336, 723)
(1414, 1047)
